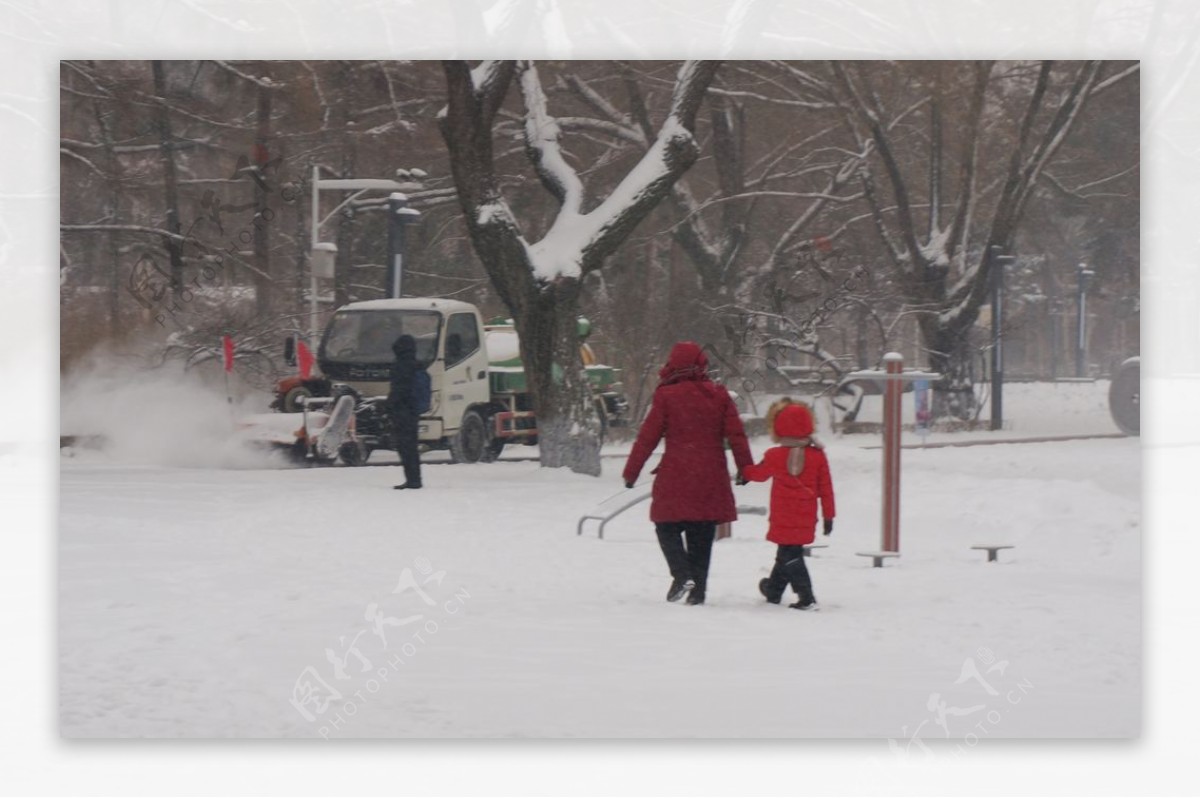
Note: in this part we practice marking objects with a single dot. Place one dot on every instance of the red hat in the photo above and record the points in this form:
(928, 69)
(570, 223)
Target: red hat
(794, 421)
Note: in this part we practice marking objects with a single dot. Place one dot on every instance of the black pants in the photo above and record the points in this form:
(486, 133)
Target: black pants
(404, 433)
(790, 569)
(687, 545)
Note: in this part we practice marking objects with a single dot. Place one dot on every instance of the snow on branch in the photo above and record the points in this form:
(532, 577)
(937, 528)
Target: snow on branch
(574, 237)
(81, 159)
(542, 142)
(1079, 191)
(1117, 78)
(485, 75)
(166, 235)
(618, 119)
(262, 83)
(602, 126)
(121, 228)
(560, 253)
(690, 85)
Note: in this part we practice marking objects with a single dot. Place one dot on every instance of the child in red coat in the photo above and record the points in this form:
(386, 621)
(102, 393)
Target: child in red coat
(800, 473)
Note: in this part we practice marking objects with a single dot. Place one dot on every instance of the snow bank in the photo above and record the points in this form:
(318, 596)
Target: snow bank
(162, 417)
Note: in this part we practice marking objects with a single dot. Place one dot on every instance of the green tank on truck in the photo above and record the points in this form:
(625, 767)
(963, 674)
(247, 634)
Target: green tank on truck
(510, 387)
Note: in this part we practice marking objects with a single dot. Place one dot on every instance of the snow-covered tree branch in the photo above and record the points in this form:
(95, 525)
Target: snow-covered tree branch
(540, 280)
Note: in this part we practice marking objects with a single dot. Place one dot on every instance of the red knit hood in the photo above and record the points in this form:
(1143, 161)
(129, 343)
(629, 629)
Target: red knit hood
(687, 362)
(794, 421)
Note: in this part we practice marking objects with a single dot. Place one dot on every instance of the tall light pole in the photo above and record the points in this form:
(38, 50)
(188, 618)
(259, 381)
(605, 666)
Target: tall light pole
(399, 215)
(359, 185)
(997, 265)
(1085, 275)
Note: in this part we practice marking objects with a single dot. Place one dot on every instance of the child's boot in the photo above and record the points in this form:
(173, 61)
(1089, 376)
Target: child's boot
(773, 586)
(797, 571)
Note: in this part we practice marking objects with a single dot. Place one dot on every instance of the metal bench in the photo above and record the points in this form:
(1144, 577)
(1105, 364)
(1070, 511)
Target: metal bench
(877, 557)
(991, 550)
(610, 508)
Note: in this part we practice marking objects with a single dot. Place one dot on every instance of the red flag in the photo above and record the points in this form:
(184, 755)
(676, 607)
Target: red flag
(228, 344)
(304, 357)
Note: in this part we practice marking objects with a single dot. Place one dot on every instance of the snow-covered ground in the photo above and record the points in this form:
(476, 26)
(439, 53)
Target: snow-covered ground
(200, 601)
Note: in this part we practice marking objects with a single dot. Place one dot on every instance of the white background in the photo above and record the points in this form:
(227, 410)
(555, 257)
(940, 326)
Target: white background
(35, 35)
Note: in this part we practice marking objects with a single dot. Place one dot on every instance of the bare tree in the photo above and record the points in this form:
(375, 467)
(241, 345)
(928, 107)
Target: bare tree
(540, 281)
(939, 229)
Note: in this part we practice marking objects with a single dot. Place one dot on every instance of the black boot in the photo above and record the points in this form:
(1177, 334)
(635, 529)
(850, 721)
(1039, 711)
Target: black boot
(678, 588)
(773, 586)
(407, 486)
(670, 539)
(764, 587)
(700, 537)
(797, 572)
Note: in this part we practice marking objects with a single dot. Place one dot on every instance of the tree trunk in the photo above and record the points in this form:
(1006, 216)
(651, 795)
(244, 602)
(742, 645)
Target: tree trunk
(262, 252)
(112, 210)
(346, 224)
(950, 356)
(303, 255)
(166, 152)
(569, 430)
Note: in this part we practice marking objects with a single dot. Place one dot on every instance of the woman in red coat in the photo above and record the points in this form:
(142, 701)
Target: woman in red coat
(799, 471)
(691, 492)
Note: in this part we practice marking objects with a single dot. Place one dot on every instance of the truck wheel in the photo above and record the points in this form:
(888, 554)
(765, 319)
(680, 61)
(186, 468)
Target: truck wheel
(491, 452)
(1125, 396)
(353, 453)
(297, 453)
(291, 399)
(469, 445)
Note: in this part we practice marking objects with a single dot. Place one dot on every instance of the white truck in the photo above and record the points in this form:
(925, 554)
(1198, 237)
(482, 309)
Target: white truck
(480, 401)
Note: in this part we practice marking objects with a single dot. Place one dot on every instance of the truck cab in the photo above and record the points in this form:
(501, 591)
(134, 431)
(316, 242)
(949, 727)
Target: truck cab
(356, 349)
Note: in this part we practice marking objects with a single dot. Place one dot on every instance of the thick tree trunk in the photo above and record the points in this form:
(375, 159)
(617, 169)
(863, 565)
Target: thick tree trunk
(950, 355)
(569, 430)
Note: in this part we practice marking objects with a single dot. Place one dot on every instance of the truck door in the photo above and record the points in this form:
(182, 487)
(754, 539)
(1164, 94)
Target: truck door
(465, 361)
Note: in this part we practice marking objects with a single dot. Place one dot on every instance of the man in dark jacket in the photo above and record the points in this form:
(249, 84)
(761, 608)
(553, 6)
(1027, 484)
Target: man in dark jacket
(403, 415)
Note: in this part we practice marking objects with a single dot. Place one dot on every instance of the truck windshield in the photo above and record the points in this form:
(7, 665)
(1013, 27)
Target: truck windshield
(366, 336)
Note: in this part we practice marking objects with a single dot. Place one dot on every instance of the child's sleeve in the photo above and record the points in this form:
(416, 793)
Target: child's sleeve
(759, 472)
(825, 489)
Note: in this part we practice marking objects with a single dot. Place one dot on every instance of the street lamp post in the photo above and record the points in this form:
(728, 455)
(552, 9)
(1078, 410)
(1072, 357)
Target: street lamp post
(1085, 275)
(399, 215)
(998, 264)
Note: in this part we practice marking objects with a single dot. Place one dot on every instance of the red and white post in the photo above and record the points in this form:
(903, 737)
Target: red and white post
(893, 389)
